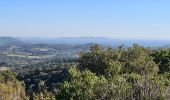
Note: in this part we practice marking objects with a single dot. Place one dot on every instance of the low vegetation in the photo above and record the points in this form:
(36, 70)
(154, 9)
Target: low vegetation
(135, 73)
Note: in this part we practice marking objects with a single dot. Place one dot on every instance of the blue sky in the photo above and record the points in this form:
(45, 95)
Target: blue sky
(121, 19)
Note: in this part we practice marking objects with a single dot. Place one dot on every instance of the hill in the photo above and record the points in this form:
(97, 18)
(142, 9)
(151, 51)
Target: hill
(98, 40)
(9, 41)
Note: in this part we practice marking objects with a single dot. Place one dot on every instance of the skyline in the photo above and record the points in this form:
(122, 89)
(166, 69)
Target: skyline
(145, 19)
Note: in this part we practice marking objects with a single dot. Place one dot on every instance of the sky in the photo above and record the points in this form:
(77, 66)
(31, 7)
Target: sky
(120, 19)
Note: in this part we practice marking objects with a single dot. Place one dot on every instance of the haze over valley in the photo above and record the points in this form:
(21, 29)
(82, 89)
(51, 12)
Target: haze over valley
(84, 50)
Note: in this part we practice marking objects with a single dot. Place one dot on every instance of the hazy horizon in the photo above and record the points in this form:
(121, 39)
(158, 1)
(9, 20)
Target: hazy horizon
(144, 20)
(85, 37)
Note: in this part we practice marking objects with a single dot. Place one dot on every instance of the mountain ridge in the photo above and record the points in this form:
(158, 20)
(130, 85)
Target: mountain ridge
(83, 40)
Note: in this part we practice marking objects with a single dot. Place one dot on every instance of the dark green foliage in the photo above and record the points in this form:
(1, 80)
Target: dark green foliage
(51, 72)
(162, 58)
(6, 76)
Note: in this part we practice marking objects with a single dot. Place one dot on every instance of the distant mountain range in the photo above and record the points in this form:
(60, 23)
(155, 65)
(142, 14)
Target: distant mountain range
(9, 41)
(98, 40)
(84, 40)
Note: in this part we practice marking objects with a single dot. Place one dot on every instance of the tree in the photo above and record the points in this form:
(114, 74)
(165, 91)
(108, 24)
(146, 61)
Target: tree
(101, 62)
(137, 60)
(162, 58)
(82, 86)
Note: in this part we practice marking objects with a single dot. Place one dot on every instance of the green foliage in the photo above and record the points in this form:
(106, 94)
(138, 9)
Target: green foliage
(86, 85)
(81, 85)
(136, 73)
(110, 62)
(137, 60)
(6, 76)
(101, 62)
(162, 58)
(128, 74)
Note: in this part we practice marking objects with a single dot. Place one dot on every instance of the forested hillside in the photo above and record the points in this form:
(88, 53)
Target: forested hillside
(136, 73)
